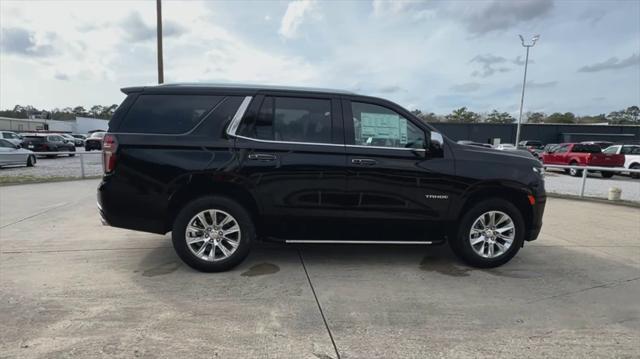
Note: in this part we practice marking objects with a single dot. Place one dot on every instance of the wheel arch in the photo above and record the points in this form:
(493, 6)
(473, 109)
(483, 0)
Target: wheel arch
(514, 193)
(199, 186)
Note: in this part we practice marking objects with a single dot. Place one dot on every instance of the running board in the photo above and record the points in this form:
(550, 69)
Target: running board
(355, 242)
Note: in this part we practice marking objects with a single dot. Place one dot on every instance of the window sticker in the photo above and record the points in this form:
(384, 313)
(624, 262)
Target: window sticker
(382, 126)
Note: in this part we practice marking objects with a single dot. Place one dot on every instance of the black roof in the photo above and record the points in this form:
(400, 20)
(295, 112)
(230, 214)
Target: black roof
(234, 88)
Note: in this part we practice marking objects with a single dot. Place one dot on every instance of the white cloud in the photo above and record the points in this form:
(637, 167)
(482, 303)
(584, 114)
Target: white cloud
(297, 11)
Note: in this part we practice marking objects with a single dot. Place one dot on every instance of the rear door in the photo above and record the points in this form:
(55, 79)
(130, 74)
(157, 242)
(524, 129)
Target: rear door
(291, 150)
(397, 189)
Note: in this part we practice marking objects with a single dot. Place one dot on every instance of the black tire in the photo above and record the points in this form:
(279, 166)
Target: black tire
(635, 166)
(461, 245)
(230, 206)
(607, 174)
(31, 160)
(574, 172)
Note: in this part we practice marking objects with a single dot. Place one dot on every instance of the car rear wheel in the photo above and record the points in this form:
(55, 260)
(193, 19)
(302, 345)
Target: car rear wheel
(635, 166)
(489, 234)
(31, 160)
(574, 171)
(213, 234)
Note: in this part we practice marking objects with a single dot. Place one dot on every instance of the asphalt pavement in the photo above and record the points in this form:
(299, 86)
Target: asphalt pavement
(70, 287)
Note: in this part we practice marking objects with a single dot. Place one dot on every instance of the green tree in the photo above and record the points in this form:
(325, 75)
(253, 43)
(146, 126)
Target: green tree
(463, 115)
(535, 117)
(592, 119)
(96, 110)
(79, 111)
(499, 117)
(426, 117)
(558, 117)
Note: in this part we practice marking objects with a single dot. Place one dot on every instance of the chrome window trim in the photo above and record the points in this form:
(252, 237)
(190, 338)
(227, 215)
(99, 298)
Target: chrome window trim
(290, 142)
(235, 121)
(388, 148)
(328, 144)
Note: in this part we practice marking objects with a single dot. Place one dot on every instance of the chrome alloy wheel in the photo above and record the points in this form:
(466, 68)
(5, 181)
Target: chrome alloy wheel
(492, 234)
(213, 235)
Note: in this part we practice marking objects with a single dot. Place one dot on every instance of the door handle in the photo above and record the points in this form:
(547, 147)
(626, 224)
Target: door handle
(261, 157)
(363, 161)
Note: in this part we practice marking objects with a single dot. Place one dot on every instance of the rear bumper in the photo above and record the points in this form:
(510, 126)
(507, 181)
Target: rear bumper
(114, 212)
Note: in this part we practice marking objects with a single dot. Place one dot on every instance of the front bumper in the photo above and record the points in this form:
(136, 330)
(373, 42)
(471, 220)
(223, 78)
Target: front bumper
(536, 219)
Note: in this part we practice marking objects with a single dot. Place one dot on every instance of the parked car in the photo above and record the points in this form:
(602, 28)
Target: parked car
(12, 154)
(76, 142)
(94, 142)
(505, 147)
(601, 144)
(220, 167)
(579, 154)
(631, 156)
(48, 143)
(534, 147)
(11, 136)
(472, 143)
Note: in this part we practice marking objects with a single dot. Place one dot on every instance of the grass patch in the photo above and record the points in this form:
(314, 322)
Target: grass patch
(23, 179)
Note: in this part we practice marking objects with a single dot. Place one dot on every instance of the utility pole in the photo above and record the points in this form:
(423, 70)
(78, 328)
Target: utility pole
(524, 82)
(159, 35)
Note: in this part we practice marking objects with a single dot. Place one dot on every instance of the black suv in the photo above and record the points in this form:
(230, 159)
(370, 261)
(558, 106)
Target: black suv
(220, 166)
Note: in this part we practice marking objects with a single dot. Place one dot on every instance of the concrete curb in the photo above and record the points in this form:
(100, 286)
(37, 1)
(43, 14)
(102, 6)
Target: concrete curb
(624, 203)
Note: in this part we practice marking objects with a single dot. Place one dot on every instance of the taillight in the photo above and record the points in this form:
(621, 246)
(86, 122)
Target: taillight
(109, 148)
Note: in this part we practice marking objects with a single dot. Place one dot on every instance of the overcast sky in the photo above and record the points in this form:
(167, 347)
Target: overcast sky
(432, 55)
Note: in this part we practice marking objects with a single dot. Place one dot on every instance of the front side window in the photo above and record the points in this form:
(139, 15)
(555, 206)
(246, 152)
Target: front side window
(613, 150)
(4, 143)
(562, 149)
(292, 119)
(379, 126)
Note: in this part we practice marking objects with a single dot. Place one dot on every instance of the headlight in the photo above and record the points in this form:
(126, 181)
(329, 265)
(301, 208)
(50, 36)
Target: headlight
(539, 170)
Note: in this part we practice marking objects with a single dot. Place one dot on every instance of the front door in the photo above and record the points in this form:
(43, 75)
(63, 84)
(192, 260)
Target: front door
(291, 150)
(399, 187)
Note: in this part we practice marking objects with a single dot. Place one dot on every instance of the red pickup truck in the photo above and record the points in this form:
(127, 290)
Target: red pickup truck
(580, 154)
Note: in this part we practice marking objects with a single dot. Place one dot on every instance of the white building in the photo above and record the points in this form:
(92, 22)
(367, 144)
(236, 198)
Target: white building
(79, 125)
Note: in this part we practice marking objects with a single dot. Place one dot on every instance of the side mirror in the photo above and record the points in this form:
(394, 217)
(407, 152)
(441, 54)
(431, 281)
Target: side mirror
(435, 145)
(18, 147)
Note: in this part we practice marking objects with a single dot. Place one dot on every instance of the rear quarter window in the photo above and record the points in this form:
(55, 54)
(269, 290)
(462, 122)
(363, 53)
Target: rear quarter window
(167, 114)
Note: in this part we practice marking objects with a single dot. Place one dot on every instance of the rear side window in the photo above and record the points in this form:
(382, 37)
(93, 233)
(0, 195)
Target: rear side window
(33, 139)
(292, 119)
(168, 114)
(584, 148)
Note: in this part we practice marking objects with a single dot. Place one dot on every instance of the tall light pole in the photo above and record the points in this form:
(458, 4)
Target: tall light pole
(524, 82)
(159, 35)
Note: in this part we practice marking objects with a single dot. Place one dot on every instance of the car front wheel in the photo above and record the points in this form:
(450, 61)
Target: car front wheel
(31, 161)
(213, 234)
(489, 234)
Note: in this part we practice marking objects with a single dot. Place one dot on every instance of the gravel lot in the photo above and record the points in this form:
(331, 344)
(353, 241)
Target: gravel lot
(69, 167)
(55, 168)
(596, 186)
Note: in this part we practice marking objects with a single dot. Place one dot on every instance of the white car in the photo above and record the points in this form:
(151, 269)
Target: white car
(11, 154)
(505, 147)
(631, 156)
(11, 137)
